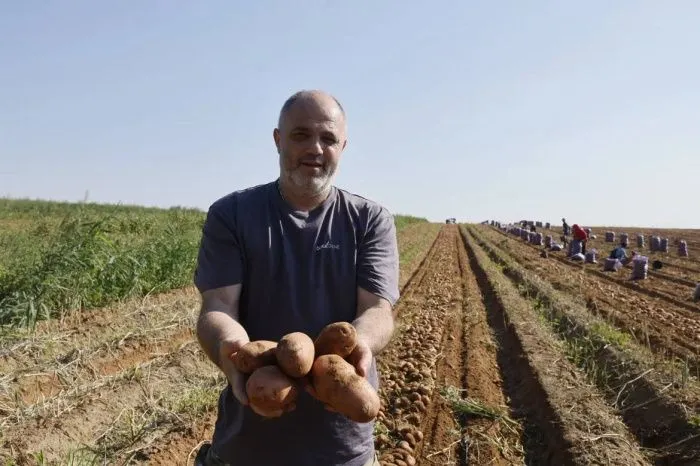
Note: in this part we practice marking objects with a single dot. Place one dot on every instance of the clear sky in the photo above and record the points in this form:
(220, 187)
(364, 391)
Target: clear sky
(474, 110)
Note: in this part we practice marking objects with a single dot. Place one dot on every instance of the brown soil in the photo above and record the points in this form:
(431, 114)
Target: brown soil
(442, 326)
(566, 420)
(656, 401)
(684, 270)
(664, 327)
(119, 415)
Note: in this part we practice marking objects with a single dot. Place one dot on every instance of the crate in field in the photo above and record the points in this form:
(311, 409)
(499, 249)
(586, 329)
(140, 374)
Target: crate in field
(664, 245)
(548, 241)
(640, 241)
(575, 247)
(612, 265)
(655, 243)
(683, 248)
(624, 240)
(640, 268)
(538, 241)
(609, 236)
(591, 257)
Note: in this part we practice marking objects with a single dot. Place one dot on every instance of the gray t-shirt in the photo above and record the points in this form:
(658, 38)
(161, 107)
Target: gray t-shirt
(300, 271)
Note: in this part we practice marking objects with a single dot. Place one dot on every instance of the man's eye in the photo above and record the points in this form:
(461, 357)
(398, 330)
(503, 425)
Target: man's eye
(329, 140)
(298, 136)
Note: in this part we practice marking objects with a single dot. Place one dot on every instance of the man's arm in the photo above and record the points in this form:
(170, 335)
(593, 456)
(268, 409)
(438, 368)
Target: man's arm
(219, 277)
(218, 320)
(221, 335)
(374, 324)
(375, 320)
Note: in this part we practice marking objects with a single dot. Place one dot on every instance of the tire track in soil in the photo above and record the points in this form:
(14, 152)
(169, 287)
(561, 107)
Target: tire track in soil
(490, 442)
(439, 424)
(563, 418)
(468, 363)
(174, 447)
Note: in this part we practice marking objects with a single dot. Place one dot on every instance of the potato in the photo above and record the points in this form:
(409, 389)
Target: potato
(337, 384)
(270, 392)
(337, 338)
(254, 355)
(295, 354)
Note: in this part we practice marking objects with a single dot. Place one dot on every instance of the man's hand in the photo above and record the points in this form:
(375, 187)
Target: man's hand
(236, 378)
(361, 358)
(309, 388)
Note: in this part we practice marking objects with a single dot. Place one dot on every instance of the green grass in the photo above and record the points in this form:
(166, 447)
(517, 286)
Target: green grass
(58, 257)
(404, 220)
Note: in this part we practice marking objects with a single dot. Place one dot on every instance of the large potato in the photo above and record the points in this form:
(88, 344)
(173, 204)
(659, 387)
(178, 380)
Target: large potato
(270, 392)
(255, 354)
(337, 338)
(337, 384)
(295, 354)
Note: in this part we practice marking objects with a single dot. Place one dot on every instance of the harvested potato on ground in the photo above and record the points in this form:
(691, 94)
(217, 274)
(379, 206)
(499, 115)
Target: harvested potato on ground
(254, 355)
(337, 338)
(270, 392)
(337, 384)
(295, 354)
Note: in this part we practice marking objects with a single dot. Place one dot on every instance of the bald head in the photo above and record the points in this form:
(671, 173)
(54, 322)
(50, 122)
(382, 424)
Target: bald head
(310, 137)
(310, 98)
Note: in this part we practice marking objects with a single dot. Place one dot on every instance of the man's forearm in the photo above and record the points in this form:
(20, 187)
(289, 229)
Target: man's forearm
(375, 326)
(213, 327)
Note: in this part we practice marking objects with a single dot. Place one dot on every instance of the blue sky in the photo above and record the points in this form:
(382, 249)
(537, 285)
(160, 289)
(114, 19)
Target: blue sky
(477, 110)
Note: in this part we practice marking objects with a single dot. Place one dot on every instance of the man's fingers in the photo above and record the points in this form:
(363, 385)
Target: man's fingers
(241, 395)
(238, 384)
(364, 364)
(329, 408)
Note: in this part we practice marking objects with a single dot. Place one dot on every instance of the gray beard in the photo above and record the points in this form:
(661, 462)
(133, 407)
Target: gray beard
(311, 186)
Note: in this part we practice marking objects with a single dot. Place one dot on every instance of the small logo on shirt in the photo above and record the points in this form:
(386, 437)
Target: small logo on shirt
(327, 245)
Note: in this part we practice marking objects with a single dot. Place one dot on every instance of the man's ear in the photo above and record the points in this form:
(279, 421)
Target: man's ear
(276, 137)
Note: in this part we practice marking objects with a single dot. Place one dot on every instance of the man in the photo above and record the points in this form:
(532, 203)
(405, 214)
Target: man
(565, 232)
(620, 254)
(581, 236)
(292, 255)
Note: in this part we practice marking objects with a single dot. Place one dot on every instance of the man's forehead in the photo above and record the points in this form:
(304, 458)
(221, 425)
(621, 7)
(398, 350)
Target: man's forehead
(313, 111)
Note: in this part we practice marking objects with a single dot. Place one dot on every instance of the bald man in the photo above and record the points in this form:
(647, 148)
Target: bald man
(294, 255)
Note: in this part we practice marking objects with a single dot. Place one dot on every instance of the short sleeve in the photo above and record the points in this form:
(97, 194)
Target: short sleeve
(220, 260)
(378, 258)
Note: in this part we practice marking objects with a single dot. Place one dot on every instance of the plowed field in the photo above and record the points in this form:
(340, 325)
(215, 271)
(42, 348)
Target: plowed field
(500, 357)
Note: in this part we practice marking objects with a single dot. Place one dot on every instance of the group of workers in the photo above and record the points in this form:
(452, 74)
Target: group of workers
(579, 234)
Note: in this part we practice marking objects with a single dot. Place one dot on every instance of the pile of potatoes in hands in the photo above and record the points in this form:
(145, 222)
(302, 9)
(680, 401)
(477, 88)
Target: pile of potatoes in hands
(275, 370)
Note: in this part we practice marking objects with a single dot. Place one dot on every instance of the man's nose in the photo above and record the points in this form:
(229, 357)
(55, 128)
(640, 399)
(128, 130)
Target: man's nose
(315, 147)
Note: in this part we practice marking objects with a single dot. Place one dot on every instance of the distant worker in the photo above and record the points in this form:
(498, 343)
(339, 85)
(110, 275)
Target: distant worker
(620, 254)
(565, 227)
(580, 235)
(533, 229)
(566, 230)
